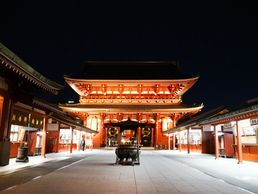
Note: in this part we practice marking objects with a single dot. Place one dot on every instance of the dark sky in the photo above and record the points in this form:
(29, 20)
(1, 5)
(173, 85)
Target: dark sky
(216, 41)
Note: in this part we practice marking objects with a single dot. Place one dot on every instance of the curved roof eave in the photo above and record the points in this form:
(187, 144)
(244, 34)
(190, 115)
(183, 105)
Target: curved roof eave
(197, 119)
(70, 78)
(231, 114)
(15, 63)
(129, 108)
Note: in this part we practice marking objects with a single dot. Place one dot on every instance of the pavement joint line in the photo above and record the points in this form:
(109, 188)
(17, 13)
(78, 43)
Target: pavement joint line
(37, 177)
(245, 190)
(71, 164)
(9, 188)
(135, 180)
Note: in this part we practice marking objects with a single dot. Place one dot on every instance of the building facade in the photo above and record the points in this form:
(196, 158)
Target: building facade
(147, 92)
(236, 132)
(191, 137)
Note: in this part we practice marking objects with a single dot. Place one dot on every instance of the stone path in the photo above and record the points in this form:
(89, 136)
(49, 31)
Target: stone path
(98, 174)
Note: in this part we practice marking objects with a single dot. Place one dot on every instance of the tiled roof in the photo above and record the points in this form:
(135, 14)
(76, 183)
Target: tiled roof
(135, 70)
(199, 117)
(58, 114)
(11, 61)
(237, 112)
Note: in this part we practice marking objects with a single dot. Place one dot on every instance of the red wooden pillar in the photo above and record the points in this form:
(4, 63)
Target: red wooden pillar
(106, 136)
(152, 137)
(103, 135)
(188, 140)
(139, 118)
(239, 145)
(216, 140)
(44, 137)
(174, 141)
(168, 141)
(84, 118)
(157, 129)
(5, 118)
(5, 127)
(58, 138)
(119, 136)
(139, 131)
(173, 117)
(71, 145)
(179, 142)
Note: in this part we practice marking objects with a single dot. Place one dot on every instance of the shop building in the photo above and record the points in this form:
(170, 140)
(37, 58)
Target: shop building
(64, 132)
(191, 137)
(147, 92)
(235, 132)
(22, 123)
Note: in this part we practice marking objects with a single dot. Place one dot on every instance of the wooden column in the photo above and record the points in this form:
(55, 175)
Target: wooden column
(5, 128)
(168, 141)
(216, 140)
(179, 142)
(174, 141)
(152, 137)
(106, 137)
(139, 118)
(80, 139)
(188, 140)
(71, 145)
(119, 136)
(139, 131)
(44, 137)
(239, 145)
(103, 136)
(6, 117)
(58, 138)
(84, 118)
(157, 130)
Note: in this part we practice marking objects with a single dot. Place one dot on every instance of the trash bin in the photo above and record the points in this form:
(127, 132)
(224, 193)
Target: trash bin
(22, 155)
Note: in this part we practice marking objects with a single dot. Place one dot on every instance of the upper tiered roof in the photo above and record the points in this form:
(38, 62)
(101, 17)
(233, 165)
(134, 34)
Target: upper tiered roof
(131, 70)
(131, 82)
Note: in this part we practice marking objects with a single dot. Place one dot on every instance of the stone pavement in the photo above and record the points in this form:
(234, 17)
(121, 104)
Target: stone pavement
(244, 175)
(38, 160)
(159, 172)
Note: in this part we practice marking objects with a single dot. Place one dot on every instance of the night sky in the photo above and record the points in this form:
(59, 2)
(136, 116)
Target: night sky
(218, 42)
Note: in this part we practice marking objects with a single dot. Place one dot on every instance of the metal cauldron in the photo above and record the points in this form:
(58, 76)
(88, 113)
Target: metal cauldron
(22, 155)
(127, 153)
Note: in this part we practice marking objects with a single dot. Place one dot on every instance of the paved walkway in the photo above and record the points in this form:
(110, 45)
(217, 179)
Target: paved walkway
(243, 175)
(159, 172)
(38, 160)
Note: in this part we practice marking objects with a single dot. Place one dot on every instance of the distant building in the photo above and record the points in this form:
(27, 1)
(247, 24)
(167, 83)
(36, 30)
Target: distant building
(146, 91)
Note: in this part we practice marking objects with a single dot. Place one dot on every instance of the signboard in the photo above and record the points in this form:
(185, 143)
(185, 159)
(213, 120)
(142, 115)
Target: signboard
(254, 121)
(27, 120)
(52, 127)
(248, 131)
(20, 118)
(229, 127)
(207, 128)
